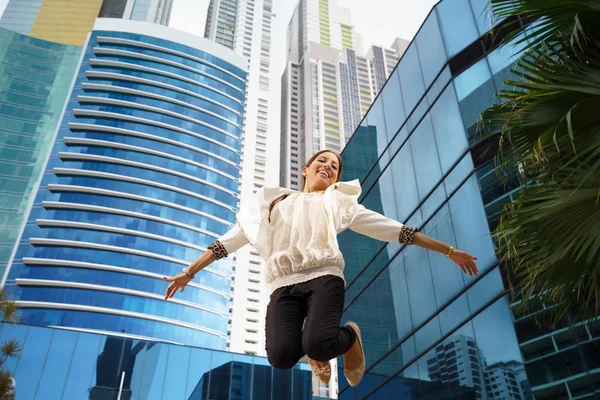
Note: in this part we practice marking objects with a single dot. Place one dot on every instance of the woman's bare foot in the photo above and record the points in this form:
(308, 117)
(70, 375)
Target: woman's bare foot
(321, 369)
(354, 359)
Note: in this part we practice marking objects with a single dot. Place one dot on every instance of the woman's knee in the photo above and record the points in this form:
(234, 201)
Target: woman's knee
(318, 347)
(283, 357)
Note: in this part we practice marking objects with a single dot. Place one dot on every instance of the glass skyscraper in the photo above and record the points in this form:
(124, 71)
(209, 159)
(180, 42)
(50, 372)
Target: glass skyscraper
(70, 21)
(424, 162)
(143, 175)
(63, 364)
(35, 79)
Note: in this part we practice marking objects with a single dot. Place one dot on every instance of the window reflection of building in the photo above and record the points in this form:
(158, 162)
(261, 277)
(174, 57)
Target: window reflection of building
(459, 361)
(60, 363)
(506, 381)
(375, 312)
(239, 380)
(425, 171)
(116, 364)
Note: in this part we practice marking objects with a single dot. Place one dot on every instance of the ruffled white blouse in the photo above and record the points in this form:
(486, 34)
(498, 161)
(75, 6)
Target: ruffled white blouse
(300, 241)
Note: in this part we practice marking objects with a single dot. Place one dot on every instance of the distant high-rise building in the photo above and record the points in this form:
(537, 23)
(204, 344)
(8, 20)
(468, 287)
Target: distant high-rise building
(70, 21)
(328, 84)
(459, 360)
(506, 381)
(142, 176)
(35, 80)
(383, 61)
(245, 27)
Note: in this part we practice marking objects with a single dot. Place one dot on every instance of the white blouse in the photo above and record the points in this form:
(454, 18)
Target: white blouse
(300, 241)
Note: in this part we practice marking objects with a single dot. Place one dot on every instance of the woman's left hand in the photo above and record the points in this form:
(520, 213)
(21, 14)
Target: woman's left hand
(465, 261)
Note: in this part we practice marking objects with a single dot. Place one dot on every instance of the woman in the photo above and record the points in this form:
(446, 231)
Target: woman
(296, 234)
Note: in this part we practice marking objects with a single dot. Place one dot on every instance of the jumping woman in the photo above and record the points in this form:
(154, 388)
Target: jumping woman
(296, 234)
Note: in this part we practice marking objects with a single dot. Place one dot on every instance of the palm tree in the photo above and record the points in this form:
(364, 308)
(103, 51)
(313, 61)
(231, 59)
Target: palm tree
(548, 124)
(11, 348)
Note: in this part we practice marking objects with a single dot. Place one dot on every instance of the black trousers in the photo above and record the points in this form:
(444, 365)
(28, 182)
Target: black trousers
(320, 301)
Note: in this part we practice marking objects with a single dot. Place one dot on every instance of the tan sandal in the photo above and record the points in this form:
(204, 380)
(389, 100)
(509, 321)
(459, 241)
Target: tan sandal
(321, 370)
(354, 376)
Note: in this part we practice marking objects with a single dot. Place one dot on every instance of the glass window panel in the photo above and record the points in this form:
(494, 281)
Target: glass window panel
(449, 130)
(459, 173)
(483, 15)
(148, 374)
(439, 85)
(475, 96)
(496, 341)
(198, 373)
(484, 290)
(420, 285)
(447, 277)
(31, 362)
(411, 78)
(456, 313)
(262, 379)
(16, 332)
(393, 105)
(282, 384)
(57, 365)
(425, 157)
(458, 26)
(505, 56)
(433, 202)
(82, 371)
(403, 174)
(220, 375)
(470, 224)
(471, 79)
(431, 49)
(175, 377)
(376, 124)
(372, 312)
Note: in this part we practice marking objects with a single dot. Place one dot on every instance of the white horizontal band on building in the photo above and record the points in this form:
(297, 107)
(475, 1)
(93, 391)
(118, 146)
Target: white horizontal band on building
(116, 249)
(108, 210)
(129, 78)
(29, 261)
(75, 126)
(112, 289)
(117, 177)
(112, 311)
(114, 193)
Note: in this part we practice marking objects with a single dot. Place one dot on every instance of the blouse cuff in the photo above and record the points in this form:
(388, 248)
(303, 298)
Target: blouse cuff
(407, 235)
(218, 249)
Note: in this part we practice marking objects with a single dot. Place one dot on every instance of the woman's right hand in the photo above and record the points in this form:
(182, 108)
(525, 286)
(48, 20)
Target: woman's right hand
(178, 281)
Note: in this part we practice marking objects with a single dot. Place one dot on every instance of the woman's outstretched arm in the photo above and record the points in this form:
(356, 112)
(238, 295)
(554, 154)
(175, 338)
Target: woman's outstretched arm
(380, 227)
(464, 260)
(220, 248)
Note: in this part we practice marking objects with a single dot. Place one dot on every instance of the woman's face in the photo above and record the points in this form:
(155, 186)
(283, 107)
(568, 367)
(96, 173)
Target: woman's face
(321, 173)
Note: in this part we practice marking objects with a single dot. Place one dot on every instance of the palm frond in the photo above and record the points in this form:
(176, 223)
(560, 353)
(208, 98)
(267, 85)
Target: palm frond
(547, 20)
(10, 348)
(550, 237)
(6, 385)
(10, 311)
(553, 108)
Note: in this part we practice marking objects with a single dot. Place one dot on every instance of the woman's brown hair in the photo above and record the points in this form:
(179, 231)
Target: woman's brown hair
(308, 163)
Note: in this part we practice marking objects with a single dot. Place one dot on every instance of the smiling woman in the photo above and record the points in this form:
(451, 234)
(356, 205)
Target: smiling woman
(296, 234)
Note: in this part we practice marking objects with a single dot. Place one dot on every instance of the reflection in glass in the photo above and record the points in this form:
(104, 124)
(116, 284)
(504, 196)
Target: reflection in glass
(458, 26)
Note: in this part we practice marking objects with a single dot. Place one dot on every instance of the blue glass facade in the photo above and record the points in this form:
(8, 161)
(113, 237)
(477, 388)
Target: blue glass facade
(35, 79)
(142, 177)
(421, 160)
(65, 364)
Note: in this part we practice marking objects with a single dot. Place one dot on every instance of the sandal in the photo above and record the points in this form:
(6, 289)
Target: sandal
(321, 370)
(354, 376)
